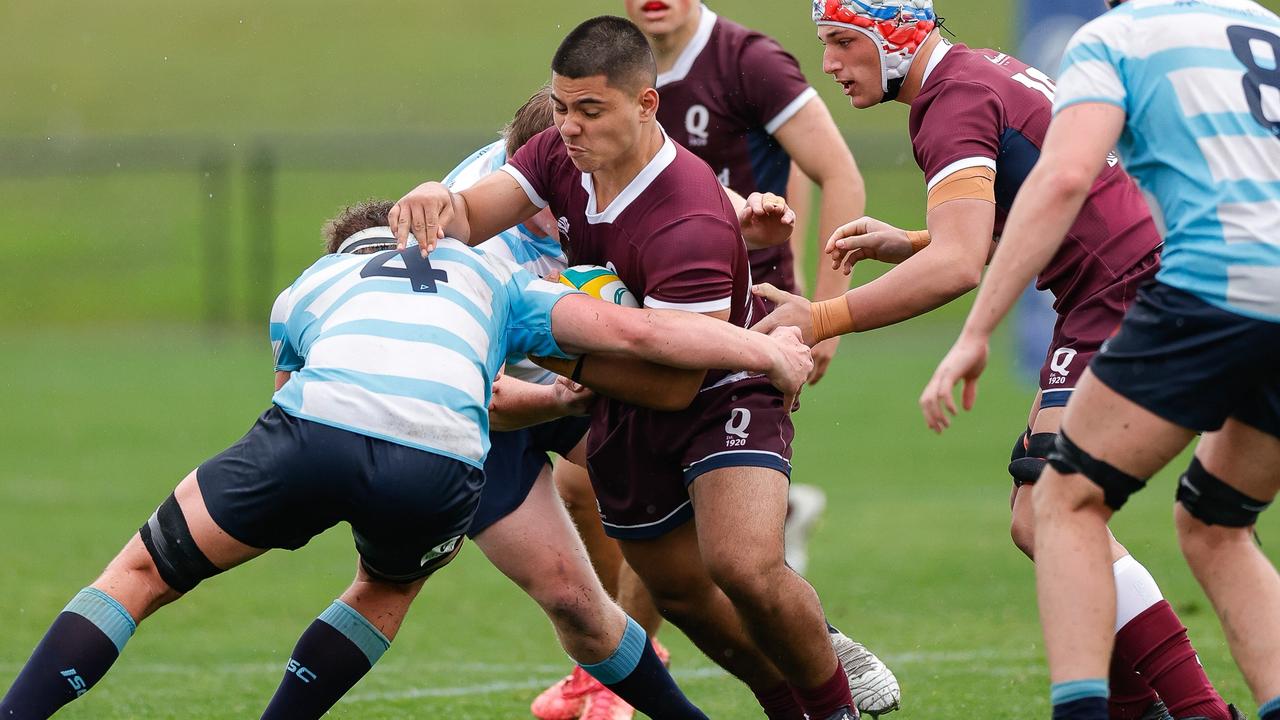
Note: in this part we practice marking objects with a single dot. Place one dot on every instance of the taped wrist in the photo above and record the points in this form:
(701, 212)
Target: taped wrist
(919, 239)
(830, 318)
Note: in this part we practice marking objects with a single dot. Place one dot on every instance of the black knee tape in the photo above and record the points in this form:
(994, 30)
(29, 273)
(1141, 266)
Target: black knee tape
(1117, 485)
(1213, 502)
(1028, 458)
(168, 539)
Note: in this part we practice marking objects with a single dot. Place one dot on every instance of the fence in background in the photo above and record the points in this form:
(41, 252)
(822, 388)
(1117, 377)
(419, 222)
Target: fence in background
(257, 165)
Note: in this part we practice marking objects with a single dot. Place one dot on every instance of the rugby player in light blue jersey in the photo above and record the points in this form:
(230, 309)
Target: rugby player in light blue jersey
(385, 361)
(1189, 93)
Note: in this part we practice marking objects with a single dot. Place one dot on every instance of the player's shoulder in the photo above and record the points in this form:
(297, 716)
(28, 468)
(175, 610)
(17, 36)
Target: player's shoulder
(476, 166)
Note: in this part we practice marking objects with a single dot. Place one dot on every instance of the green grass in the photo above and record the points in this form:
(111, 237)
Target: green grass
(914, 556)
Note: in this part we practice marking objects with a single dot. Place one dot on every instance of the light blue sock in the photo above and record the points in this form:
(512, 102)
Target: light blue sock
(624, 660)
(103, 611)
(343, 618)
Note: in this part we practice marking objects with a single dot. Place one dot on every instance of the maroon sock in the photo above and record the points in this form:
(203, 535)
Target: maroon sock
(1155, 644)
(780, 703)
(825, 700)
(1130, 695)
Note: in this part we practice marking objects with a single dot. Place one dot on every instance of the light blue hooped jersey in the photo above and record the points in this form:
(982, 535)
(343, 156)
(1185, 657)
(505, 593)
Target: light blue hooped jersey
(1200, 86)
(540, 255)
(404, 349)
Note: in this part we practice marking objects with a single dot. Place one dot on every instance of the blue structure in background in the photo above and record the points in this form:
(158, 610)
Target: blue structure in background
(1044, 27)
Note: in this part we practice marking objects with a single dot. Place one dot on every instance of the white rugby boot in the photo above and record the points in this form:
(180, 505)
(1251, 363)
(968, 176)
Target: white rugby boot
(873, 686)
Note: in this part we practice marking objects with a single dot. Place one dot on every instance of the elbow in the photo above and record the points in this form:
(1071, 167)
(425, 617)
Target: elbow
(962, 280)
(1067, 181)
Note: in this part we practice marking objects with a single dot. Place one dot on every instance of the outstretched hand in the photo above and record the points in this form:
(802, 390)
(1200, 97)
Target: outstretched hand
(867, 239)
(965, 362)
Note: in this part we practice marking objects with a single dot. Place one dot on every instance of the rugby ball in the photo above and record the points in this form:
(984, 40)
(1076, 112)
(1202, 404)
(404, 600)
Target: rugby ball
(600, 282)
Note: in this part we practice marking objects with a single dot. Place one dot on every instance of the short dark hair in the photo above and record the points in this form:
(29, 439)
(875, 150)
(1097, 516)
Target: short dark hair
(533, 117)
(611, 46)
(352, 219)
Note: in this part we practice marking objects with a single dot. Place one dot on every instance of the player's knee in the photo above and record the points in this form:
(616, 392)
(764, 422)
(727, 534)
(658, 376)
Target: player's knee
(1068, 458)
(1213, 502)
(1022, 529)
(742, 576)
(173, 551)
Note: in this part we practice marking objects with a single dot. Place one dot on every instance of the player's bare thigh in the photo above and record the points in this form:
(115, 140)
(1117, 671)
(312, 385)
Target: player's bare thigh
(1115, 430)
(132, 578)
(740, 512)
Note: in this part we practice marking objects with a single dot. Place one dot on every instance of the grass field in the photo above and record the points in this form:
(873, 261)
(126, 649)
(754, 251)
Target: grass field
(913, 558)
(111, 389)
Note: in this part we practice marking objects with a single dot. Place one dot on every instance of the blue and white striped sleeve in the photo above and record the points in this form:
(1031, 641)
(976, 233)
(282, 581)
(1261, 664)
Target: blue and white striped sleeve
(286, 357)
(1091, 65)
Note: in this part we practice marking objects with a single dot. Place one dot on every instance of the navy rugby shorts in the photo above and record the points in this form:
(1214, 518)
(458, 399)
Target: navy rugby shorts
(515, 460)
(288, 480)
(1194, 364)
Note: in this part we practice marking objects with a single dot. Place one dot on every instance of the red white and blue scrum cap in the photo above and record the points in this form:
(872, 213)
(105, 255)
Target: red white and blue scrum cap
(897, 27)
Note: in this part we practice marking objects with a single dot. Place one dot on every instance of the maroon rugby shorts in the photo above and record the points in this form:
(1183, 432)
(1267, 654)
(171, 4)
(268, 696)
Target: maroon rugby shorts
(642, 462)
(1081, 330)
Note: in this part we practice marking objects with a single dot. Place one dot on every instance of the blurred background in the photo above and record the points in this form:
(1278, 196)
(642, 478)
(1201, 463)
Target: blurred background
(165, 169)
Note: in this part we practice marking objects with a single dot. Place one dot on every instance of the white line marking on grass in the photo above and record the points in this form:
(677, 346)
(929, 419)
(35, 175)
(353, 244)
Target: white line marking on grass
(488, 688)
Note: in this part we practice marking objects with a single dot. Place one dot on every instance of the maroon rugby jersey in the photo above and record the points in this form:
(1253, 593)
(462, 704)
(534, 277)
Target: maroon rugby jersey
(728, 92)
(982, 108)
(671, 235)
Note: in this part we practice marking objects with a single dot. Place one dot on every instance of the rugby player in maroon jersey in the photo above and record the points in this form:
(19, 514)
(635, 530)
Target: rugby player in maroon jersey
(978, 119)
(627, 197)
(735, 98)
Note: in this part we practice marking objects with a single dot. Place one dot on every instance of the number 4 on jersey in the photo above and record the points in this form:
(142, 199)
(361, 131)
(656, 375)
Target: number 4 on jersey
(417, 269)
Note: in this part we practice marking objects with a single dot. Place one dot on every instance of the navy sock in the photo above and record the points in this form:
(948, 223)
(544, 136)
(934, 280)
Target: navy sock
(1079, 699)
(329, 659)
(78, 649)
(1270, 709)
(635, 674)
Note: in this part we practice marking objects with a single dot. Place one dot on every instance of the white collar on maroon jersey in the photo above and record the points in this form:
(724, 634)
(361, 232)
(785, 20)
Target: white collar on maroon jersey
(666, 155)
(939, 51)
(684, 63)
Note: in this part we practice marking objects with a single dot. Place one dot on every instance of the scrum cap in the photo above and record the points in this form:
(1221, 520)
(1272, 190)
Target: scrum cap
(897, 27)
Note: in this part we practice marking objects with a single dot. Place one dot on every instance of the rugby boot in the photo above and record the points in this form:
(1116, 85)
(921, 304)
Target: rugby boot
(873, 686)
(565, 699)
(1156, 711)
(805, 504)
(843, 714)
(602, 704)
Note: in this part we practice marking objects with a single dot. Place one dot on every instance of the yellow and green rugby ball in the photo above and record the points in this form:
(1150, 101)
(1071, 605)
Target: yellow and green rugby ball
(600, 282)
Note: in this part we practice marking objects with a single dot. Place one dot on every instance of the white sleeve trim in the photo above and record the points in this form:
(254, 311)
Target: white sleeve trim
(966, 163)
(697, 307)
(519, 177)
(790, 110)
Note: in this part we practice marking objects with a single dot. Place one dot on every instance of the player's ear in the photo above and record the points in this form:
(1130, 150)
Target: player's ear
(648, 104)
